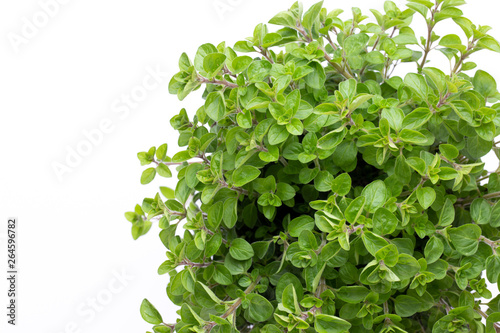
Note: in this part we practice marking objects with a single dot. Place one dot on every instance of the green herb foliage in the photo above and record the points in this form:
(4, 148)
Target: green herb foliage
(319, 192)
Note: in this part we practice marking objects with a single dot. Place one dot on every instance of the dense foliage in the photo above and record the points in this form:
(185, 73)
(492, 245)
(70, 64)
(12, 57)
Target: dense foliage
(320, 193)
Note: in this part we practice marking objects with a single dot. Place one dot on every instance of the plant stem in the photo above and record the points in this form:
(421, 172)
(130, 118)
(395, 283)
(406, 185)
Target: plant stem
(264, 53)
(219, 82)
(171, 326)
(464, 56)
(428, 44)
(211, 233)
(283, 161)
(189, 263)
(234, 307)
(237, 189)
(465, 201)
(337, 67)
(485, 316)
(176, 163)
(492, 244)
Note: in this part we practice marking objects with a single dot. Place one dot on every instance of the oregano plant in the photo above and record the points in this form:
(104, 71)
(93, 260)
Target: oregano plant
(320, 192)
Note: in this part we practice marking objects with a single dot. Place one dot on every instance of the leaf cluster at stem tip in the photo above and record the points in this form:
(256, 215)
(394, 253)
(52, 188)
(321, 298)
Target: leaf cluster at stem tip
(318, 191)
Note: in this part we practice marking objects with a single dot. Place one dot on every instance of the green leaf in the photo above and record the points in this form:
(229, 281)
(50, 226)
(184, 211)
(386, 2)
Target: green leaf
(148, 175)
(324, 323)
(161, 152)
(202, 52)
(284, 18)
(384, 222)
(372, 242)
(417, 164)
(463, 110)
(290, 300)
(270, 39)
(489, 43)
(213, 63)
(426, 196)
(215, 106)
(447, 215)
(230, 215)
(355, 43)
(433, 250)
(394, 117)
(258, 70)
(222, 275)
(163, 170)
(299, 224)
(316, 79)
(295, 127)
(388, 254)
(406, 306)
(406, 267)
(307, 240)
(208, 292)
(355, 209)
(417, 118)
(417, 84)
(331, 139)
(480, 211)
(244, 175)
(452, 41)
(466, 25)
(259, 308)
(286, 280)
(449, 151)
(484, 83)
(465, 238)
(493, 318)
(285, 191)
(240, 249)
(411, 136)
(342, 184)
(301, 71)
(239, 64)
(375, 58)
(167, 192)
(149, 313)
(352, 294)
(495, 215)
(348, 89)
(437, 78)
(311, 15)
(419, 8)
(277, 134)
(493, 268)
(376, 195)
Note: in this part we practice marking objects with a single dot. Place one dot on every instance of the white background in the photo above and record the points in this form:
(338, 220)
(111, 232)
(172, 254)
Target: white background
(67, 77)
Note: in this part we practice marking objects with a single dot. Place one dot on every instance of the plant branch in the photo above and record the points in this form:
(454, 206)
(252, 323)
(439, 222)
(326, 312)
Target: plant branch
(468, 200)
(189, 263)
(264, 52)
(211, 233)
(492, 244)
(428, 44)
(234, 306)
(464, 56)
(219, 82)
(337, 67)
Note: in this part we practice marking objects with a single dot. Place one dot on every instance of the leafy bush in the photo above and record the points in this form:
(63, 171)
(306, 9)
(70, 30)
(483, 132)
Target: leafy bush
(321, 193)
